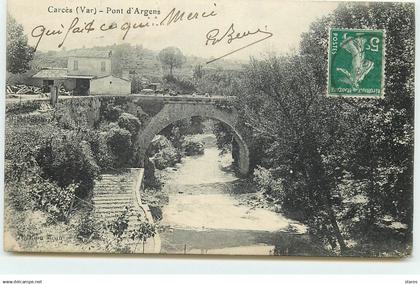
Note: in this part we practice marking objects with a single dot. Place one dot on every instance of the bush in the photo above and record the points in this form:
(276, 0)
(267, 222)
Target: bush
(88, 228)
(136, 84)
(224, 136)
(32, 192)
(25, 106)
(143, 231)
(164, 153)
(17, 196)
(51, 198)
(45, 165)
(118, 227)
(24, 136)
(102, 155)
(192, 147)
(66, 159)
(129, 122)
(268, 184)
(178, 85)
(110, 112)
(168, 157)
(27, 226)
(150, 180)
(159, 143)
(119, 142)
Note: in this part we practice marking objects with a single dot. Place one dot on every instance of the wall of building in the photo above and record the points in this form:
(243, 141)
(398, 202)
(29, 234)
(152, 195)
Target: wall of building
(35, 82)
(69, 84)
(110, 86)
(89, 66)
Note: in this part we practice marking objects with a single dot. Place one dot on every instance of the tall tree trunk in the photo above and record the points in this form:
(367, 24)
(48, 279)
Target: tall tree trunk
(331, 214)
(372, 172)
(337, 232)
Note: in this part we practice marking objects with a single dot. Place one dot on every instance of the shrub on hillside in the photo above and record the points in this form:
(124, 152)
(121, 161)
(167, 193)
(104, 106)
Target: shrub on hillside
(45, 165)
(17, 187)
(100, 150)
(268, 184)
(167, 157)
(51, 198)
(178, 85)
(129, 122)
(118, 226)
(25, 106)
(110, 112)
(159, 143)
(119, 142)
(32, 192)
(163, 153)
(66, 159)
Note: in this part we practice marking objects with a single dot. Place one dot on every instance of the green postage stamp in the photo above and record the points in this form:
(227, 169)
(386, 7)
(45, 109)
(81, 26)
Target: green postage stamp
(356, 63)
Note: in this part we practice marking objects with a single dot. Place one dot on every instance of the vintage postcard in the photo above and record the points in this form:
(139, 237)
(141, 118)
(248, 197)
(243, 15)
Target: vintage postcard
(272, 128)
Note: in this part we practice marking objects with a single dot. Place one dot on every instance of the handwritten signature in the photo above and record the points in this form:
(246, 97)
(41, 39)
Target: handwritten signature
(214, 37)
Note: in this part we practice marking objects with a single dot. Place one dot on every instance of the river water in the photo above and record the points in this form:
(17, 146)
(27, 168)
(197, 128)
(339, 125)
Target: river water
(206, 214)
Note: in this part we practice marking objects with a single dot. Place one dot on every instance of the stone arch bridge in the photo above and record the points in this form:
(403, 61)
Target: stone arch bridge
(161, 110)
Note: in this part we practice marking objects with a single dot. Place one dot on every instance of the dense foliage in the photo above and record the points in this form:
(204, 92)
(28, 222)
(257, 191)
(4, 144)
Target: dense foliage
(66, 159)
(46, 167)
(342, 166)
(19, 53)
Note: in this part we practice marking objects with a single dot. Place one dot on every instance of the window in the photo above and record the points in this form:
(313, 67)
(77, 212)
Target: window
(75, 65)
(103, 66)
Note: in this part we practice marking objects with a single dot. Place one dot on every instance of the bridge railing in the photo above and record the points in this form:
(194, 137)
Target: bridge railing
(152, 97)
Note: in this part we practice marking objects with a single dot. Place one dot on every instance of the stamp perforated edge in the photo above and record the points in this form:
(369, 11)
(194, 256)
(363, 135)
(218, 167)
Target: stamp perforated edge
(381, 96)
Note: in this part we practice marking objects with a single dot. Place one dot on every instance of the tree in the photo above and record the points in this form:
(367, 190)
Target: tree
(171, 57)
(19, 53)
(322, 152)
(381, 158)
(283, 103)
(198, 72)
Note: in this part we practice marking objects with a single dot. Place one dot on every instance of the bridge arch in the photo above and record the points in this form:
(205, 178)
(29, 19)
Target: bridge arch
(173, 112)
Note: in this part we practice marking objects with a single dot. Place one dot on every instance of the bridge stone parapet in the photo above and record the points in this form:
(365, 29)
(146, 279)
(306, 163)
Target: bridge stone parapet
(158, 98)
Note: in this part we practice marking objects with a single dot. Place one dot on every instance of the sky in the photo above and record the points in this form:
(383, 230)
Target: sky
(275, 26)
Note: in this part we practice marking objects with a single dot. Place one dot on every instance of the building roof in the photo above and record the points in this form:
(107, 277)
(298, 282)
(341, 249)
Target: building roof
(89, 53)
(75, 76)
(59, 73)
(51, 73)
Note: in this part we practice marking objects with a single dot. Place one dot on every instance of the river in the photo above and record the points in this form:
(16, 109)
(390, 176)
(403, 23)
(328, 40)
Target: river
(206, 214)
